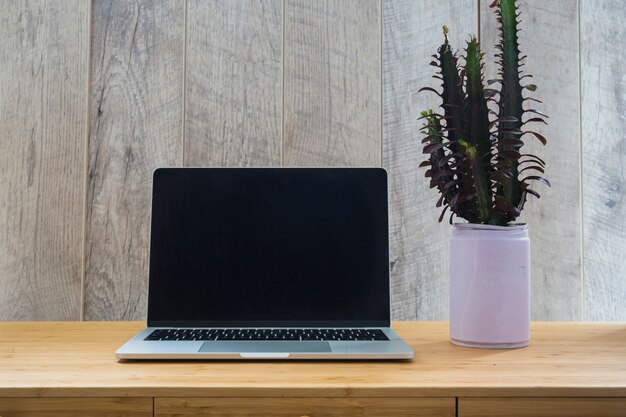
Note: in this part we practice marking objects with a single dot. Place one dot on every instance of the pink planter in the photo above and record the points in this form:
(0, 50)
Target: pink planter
(490, 286)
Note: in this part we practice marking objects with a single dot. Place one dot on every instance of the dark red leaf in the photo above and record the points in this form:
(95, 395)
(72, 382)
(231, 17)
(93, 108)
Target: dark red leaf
(450, 184)
(533, 192)
(509, 155)
(500, 177)
(535, 119)
(534, 157)
(536, 112)
(532, 161)
(443, 161)
(541, 138)
(433, 147)
(533, 167)
(503, 164)
(440, 201)
(454, 201)
(431, 137)
(429, 89)
(443, 213)
(515, 132)
(537, 178)
(527, 189)
(512, 142)
(438, 175)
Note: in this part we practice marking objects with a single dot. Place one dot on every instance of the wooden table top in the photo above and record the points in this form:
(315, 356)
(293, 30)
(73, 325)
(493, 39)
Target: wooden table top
(55, 359)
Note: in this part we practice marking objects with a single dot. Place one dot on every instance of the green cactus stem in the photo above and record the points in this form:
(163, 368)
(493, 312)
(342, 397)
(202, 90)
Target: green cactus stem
(476, 129)
(454, 105)
(511, 100)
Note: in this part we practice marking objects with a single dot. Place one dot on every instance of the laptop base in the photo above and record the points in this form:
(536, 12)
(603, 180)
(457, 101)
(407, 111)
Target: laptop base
(139, 348)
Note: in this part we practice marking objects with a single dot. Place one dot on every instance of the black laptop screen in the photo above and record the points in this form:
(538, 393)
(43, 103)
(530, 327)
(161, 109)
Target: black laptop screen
(269, 247)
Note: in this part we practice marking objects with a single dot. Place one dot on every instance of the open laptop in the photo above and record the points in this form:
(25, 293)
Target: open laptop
(268, 263)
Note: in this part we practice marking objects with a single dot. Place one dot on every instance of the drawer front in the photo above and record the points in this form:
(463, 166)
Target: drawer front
(300, 407)
(542, 407)
(75, 407)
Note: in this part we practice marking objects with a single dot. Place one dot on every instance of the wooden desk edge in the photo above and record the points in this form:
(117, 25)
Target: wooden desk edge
(321, 392)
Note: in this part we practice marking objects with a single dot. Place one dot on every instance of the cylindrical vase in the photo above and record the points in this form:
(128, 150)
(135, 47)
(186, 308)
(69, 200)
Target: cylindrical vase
(490, 286)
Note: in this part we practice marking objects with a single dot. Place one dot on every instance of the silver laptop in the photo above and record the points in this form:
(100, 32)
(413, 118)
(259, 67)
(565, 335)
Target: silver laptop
(268, 263)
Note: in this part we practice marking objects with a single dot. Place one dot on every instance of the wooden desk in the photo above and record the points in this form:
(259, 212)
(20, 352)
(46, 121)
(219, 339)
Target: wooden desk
(569, 369)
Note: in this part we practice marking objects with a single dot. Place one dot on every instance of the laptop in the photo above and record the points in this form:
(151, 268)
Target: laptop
(268, 263)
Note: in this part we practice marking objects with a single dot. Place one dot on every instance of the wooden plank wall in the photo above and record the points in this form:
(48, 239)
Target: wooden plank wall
(234, 56)
(95, 95)
(603, 101)
(332, 88)
(135, 125)
(43, 92)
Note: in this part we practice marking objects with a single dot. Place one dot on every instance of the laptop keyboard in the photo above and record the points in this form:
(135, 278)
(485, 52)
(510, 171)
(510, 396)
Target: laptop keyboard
(268, 334)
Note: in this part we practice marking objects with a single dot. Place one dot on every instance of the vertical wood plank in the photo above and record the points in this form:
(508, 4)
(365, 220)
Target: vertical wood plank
(550, 38)
(332, 107)
(419, 245)
(135, 126)
(603, 60)
(233, 113)
(43, 90)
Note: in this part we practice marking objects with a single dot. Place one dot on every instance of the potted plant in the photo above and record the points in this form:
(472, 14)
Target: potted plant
(476, 162)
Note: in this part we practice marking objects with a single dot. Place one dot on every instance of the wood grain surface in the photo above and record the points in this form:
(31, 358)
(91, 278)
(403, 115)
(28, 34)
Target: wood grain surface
(233, 111)
(542, 407)
(603, 58)
(310, 407)
(76, 359)
(419, 245)
(76, 407)
(332, 89)
(43, 85)
(549, 36)
(135, 126)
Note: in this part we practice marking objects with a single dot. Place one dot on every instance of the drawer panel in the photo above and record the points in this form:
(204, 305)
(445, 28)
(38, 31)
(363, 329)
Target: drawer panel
(310, 407)
(542, 407)
(75, 407)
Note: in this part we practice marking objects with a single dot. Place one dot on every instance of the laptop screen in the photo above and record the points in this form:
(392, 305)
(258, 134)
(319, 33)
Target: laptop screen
(269, 247)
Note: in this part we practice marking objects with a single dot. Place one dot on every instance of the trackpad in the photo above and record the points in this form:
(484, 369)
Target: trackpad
(265, 347)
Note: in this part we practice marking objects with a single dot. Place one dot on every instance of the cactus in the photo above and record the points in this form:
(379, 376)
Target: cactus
(476, 161)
